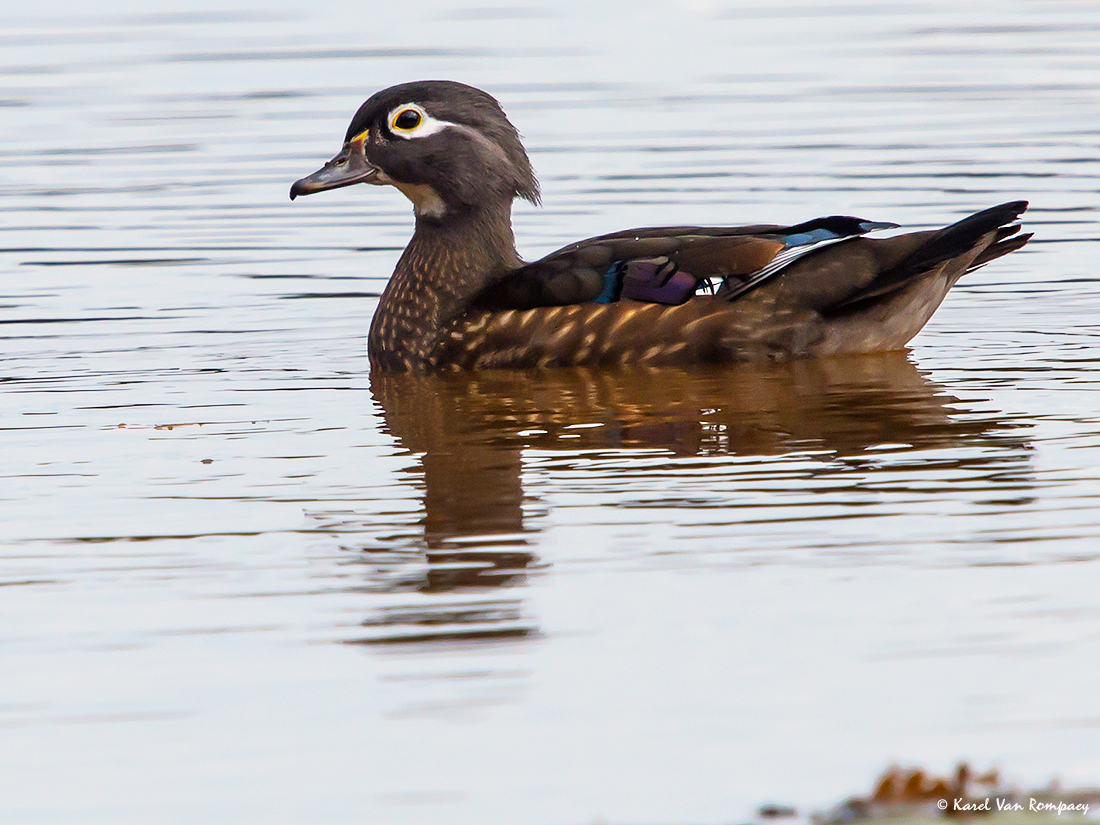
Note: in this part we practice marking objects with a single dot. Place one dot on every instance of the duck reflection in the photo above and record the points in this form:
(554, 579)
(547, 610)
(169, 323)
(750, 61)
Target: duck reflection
(470, 432)
(471, 428)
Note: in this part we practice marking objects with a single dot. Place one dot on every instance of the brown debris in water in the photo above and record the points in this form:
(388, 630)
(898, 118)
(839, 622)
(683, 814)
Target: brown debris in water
(908, 786)
(916, 795)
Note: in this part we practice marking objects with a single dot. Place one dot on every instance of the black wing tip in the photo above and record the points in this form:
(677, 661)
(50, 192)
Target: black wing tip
(839, 225)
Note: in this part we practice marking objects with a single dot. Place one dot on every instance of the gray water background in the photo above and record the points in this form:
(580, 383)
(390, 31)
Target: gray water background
(244, 581)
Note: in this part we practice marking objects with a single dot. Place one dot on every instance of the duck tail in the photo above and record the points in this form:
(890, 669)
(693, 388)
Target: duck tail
(992, 232)
(961, 237)
(1001, 246)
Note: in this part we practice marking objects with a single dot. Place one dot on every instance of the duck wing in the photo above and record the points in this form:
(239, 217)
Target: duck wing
(667, 265)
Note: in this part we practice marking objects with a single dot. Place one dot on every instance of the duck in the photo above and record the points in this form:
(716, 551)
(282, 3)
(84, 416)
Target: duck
(461, 297)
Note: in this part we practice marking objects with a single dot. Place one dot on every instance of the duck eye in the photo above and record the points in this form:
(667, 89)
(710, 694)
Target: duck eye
(406, 120)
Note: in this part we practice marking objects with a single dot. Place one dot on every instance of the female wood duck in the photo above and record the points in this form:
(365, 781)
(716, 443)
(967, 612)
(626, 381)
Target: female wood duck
(461, 297)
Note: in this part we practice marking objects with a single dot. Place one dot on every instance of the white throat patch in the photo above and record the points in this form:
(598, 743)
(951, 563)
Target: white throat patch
(425, 200)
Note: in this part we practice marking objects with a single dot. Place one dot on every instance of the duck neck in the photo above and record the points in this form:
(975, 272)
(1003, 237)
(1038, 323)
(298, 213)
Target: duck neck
(447, 263)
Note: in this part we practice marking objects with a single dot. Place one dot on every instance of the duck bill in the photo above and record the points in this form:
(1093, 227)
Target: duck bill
(348, 167)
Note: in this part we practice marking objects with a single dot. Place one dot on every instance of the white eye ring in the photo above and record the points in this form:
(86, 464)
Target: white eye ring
(427, 125)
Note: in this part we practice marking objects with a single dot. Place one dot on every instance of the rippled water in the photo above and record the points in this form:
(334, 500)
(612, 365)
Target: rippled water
(246, 581)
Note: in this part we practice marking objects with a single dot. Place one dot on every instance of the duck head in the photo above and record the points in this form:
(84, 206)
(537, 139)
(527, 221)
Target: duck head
(448, 147)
